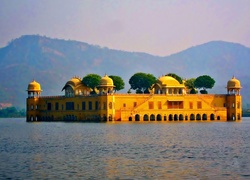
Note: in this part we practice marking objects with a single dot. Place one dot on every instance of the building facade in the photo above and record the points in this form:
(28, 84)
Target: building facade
(168, 100)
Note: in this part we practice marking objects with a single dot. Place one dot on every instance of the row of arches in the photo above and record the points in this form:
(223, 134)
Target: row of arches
(173, 117)
(69, 118)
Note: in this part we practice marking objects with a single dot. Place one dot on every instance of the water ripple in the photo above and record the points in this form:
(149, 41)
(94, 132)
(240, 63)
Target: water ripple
(124, 150)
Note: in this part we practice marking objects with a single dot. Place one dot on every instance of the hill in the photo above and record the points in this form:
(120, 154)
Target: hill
(52, 62)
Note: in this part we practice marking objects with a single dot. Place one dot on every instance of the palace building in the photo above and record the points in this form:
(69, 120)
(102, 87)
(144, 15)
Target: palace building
(168, 100)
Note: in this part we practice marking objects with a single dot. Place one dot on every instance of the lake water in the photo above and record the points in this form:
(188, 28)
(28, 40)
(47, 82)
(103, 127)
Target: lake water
(48, 150)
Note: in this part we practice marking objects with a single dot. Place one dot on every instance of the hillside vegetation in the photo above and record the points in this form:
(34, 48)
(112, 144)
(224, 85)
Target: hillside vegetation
(52, 62)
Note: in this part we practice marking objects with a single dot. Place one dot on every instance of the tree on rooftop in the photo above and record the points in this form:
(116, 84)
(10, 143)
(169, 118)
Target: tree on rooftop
(189, 83)
(118, 82)
(91, 81)
(141, 82)
(204, 82)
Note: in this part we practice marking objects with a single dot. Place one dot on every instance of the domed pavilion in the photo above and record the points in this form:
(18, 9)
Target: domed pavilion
(168, 85)
(233, 86)
(106, 85)
(75, 87)
(34, 89)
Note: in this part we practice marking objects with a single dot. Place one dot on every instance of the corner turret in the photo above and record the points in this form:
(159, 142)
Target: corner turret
(34, 89)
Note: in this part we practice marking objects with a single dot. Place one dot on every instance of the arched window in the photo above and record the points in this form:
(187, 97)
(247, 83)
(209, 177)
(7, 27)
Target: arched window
(137, 117)
(145, 117)
(204, 117)
(212, 117)
(152, 117)
(192, 117)
(181, 117)
(130, 118)
(198, 117)
(158, 117)
(170, 117)
(175, 117)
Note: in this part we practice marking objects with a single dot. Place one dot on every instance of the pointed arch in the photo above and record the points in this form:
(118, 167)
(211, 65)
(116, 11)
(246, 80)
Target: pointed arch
(192, 117)
(170, 117)
(137, 117)
(176, 117)
(198, 117)
(204, 117)
(145, 117)
(181, 117)
(158, 117)
(152, 117)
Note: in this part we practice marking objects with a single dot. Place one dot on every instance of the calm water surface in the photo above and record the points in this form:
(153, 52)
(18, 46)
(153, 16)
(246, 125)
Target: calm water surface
(60, 150)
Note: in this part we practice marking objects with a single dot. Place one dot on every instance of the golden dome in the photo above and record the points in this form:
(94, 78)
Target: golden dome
(169, 81)
(74, 81)
(233, 83)
(106, 81)
(34, 86)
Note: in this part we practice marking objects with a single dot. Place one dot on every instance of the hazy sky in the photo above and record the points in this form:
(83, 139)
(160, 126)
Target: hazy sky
(159, 27)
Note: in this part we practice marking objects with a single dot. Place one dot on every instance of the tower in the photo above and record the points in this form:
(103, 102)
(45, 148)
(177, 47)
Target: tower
(34, 92)
(106, 92)
(34, 89)
(234, 100)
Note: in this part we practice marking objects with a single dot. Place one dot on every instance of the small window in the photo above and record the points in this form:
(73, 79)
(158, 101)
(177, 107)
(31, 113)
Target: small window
(57, 106)
(135, 104)
(96, 105)
(83, 106)
(199, 105)
(49, 106)
(150, 105)
(190, 105)
(90, 105)
(124, 105)
(70, 106)
(159, 105)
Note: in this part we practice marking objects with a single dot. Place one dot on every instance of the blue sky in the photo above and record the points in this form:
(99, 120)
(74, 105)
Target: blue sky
(158, 27)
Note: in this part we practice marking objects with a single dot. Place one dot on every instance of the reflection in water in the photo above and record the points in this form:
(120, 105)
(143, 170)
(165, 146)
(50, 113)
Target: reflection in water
(124, 150)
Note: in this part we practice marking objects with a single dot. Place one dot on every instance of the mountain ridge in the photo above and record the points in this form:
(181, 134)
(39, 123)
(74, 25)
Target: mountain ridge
(52, 62)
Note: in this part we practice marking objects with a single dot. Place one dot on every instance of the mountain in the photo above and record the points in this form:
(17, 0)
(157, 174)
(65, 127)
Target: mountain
(52, 62)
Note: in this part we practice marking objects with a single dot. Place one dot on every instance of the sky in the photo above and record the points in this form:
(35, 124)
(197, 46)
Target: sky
(157, 27)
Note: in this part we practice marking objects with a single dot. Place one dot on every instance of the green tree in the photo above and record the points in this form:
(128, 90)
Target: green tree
(178, 78)
(204, 82)
(92, 81)
(190, 85)
(12, 112)
(141, 82)
(118, 82)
